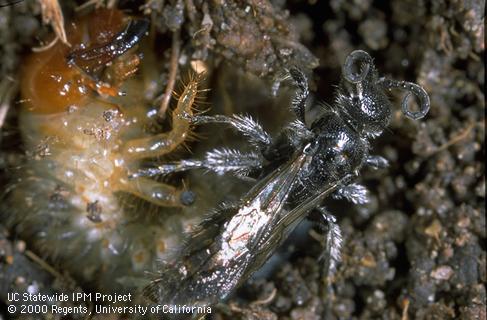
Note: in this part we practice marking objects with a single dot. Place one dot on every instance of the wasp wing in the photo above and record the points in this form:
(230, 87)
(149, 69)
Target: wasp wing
(291, 218)
(223, 250)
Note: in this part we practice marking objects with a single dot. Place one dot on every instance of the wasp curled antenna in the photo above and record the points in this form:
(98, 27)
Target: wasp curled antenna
(296, 171)
(413, 88)
(349, 66)
(365, 65)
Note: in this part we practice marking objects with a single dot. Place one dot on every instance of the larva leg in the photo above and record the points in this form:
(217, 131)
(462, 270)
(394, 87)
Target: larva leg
(163, 143)
(158, 193)
(219, 161)
(122, 69)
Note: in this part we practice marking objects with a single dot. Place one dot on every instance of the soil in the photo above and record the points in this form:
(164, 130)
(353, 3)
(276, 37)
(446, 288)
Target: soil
(417, 249)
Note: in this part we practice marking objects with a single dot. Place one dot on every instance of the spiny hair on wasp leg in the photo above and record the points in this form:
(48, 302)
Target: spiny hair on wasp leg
(296, 170)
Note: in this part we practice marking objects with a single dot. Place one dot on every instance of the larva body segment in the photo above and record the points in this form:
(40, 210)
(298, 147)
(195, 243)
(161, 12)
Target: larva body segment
(74, 201)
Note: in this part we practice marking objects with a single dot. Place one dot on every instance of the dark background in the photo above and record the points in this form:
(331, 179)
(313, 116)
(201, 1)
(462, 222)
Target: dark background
(417, 250)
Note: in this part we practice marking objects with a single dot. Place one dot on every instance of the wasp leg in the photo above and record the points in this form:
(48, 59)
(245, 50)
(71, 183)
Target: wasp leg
(291, 138)
(299, 100)
(244, 124)
(298, 133)
(158, 193)
(227, 160)
(331, 255)
(220, 161)
(377, 162)
(8, 89)
(355, 193)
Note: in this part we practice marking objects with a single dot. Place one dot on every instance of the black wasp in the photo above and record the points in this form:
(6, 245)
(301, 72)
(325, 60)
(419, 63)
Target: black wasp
(313, 160)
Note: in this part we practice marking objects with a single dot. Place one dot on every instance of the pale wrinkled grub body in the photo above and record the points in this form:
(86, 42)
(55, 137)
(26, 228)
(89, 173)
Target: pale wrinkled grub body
(74, 201)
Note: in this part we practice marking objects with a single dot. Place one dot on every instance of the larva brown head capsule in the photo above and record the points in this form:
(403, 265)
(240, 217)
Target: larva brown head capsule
(61, 77)
(362, 100)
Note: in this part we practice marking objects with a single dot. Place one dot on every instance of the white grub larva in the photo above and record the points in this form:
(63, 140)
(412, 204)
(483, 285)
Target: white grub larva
(74, 200)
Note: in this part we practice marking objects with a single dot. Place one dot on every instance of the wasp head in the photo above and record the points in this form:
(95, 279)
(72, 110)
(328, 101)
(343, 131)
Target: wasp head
(362, 99)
